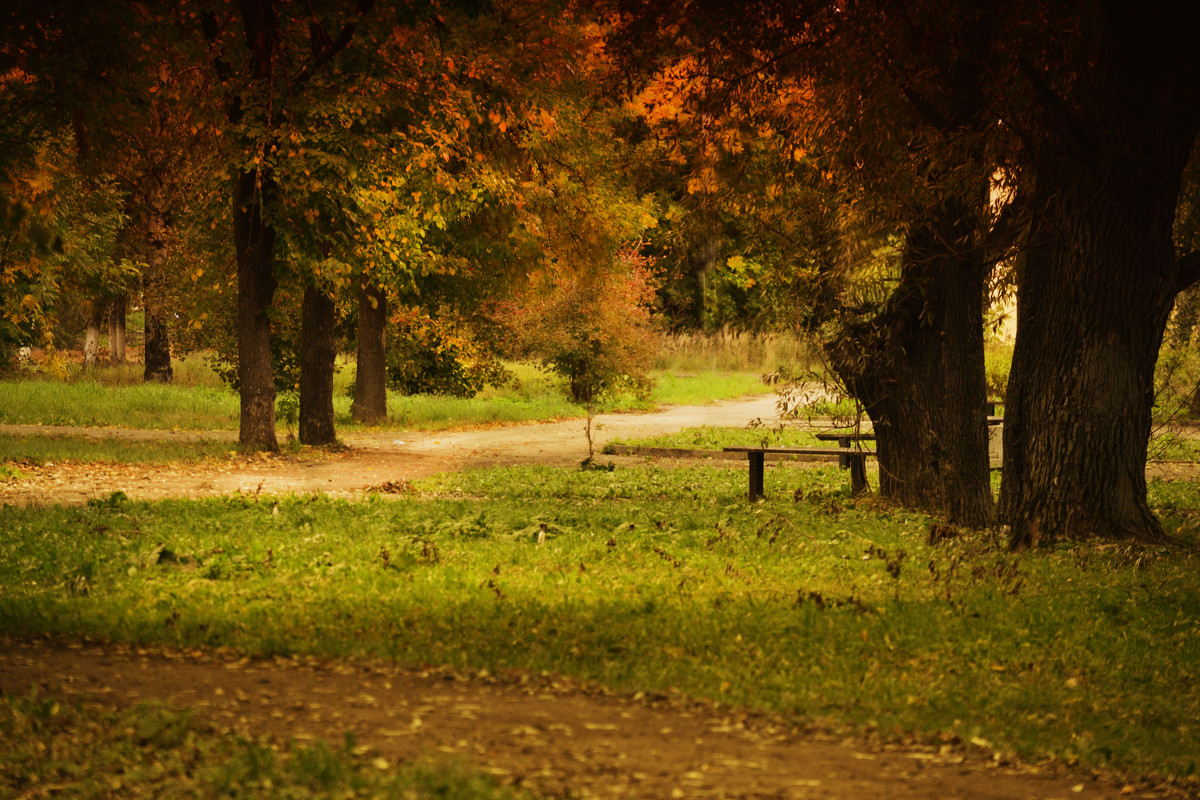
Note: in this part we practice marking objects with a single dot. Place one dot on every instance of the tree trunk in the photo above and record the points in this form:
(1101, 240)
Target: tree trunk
(254, 239)
(318, 352)
(116, 328)
(91, 337)
(918, 369)
(157, 357)
(370, 379)
(1098, 284)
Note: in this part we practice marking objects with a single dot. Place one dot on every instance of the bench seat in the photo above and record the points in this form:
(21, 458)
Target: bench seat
(854, 460)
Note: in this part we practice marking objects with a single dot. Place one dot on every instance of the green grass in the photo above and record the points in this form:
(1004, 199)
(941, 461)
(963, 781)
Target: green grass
(1174, 445)
(50, 747)
(94, 404)
(714, 438)
(825, 608)
(696, 389)
(535, 396)
(40, 449)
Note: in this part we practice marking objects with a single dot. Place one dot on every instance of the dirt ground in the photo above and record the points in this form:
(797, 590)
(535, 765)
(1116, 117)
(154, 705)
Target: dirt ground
(370, 459)
(555, 736)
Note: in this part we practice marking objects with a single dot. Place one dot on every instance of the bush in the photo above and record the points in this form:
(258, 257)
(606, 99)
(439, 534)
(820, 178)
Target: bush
(595, 330)
(438, 356)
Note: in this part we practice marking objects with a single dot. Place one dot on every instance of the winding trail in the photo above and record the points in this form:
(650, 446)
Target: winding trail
(371, 458)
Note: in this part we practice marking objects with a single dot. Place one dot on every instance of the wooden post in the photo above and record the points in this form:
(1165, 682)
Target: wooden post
(858, 473)
(757, 458)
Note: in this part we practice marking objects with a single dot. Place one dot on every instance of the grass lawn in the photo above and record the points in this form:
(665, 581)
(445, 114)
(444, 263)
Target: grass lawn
(714, 438)
(56, 448)
(533, 396)
(822, 608)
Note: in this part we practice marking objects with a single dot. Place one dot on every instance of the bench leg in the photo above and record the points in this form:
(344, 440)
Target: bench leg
(756, 475)
(858, 474)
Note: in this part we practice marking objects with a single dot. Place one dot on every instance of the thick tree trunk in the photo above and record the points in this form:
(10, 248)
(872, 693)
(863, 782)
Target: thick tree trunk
(157, 341)
(116, 328)
(1098, 284)
(318, 352)
(918, 369)
(370, 379)
(91, 337)
(254, 239)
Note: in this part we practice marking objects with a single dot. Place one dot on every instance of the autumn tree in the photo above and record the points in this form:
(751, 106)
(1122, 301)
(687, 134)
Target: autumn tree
(879, 119)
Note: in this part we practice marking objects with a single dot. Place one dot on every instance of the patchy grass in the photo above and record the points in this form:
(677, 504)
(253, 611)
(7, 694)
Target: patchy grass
(52, 747)
(643, 579)
(41, 449)
(710, 437)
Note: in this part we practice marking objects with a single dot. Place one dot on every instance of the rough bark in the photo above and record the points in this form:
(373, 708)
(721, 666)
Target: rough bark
(254, 235)
(1098, 284)
(318, 352)
(255, 243)
(918, 369)
(370, 379)
(116, 328)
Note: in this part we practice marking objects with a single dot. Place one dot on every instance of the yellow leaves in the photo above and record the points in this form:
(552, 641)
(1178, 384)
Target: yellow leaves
(29, 301)
(703, 182)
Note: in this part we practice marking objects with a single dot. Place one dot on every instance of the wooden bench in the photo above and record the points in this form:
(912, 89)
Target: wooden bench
(844, 440)
(854, 460)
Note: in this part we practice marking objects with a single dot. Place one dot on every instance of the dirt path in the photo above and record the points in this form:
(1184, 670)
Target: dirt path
(552, 735)
(371, 459)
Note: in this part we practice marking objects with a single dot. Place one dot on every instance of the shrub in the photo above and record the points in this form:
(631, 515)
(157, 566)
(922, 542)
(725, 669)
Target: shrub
(438, 356)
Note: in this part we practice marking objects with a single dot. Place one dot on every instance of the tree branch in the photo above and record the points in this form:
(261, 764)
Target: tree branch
(1056, 106)
(325, 51)
(212, 32)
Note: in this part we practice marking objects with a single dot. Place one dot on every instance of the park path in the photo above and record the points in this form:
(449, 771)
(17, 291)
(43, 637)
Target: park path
(553, 735)
(371, 459)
